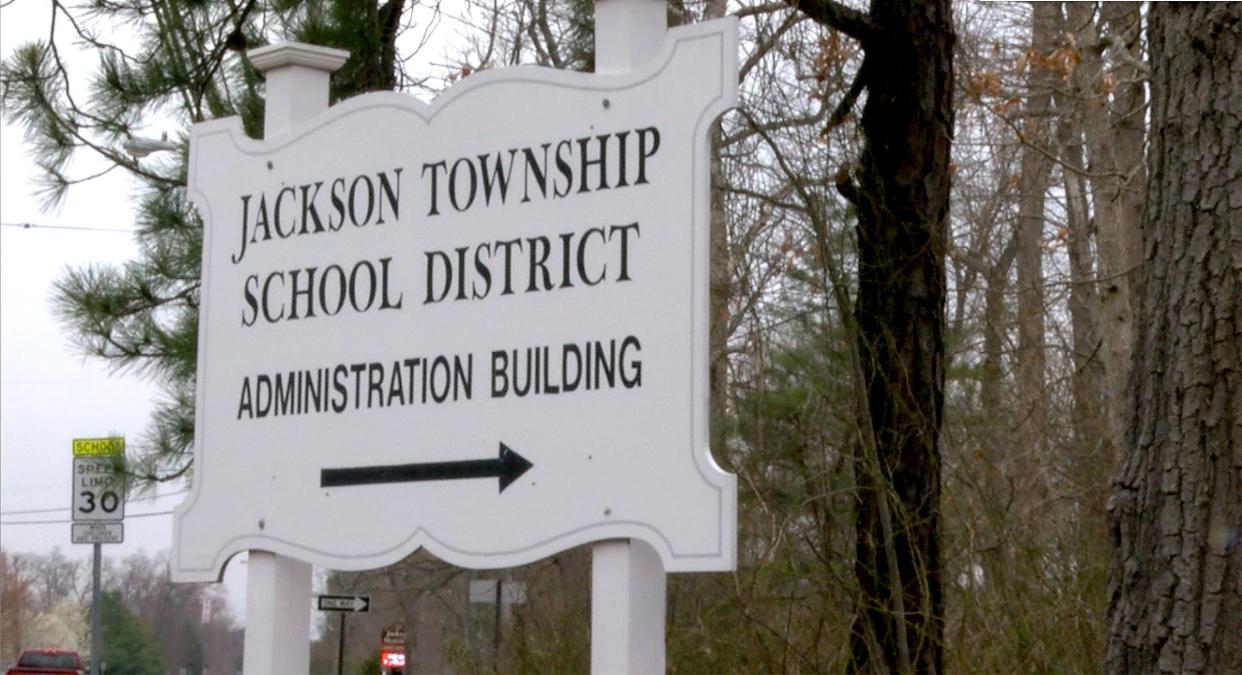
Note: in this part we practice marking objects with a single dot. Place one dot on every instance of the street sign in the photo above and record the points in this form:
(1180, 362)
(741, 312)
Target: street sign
(98, 533)
(98, 493)
(393, 635)
(392, 646)
(344, 603)
(112, 446)
(477, 326)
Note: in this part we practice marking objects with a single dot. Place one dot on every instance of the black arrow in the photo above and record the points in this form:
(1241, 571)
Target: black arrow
(345, 603)
(508, 467)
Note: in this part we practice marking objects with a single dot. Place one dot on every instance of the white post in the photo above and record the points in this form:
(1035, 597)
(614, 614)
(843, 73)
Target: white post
(278, 591)
(628, 33)
(297, 82)
(278, 588)
(628, 589)
(628, 583)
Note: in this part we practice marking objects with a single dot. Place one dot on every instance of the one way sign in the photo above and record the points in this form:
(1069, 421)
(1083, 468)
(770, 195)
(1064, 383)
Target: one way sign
(344, 603)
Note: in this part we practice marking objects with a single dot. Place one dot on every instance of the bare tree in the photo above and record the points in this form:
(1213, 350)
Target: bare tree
(902, 200)
(1176, 573)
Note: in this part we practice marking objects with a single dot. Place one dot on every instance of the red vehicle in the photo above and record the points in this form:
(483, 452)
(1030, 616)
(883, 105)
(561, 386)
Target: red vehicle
(47, 662)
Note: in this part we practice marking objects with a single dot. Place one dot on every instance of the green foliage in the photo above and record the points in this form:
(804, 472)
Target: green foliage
(580, 34)
(129, 648)
(194, 654)
(784, 608)
(181, 63)
(366, 29)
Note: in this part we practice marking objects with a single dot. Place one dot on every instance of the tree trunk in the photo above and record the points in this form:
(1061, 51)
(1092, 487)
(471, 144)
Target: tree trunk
(995, 321)
(1089, 424)
(1035, 169)
(1093, 454)
(903, 203)
(1176, 572)
(1112, 106)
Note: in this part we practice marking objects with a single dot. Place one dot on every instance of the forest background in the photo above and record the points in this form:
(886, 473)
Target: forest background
(1041, 258)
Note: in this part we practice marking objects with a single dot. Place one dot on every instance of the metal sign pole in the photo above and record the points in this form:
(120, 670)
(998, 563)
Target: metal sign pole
(96, 654)
(340, 646)
(98, 505)
(628, 582)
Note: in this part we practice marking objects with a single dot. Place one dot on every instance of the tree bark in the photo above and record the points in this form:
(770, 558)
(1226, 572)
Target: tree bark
(903, 202)
(1175, 512)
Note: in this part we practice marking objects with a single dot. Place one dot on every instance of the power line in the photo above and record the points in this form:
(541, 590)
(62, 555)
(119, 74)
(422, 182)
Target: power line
(77, 228)
(24, 512)
(62, 521)
(66, 380)
(66, 508)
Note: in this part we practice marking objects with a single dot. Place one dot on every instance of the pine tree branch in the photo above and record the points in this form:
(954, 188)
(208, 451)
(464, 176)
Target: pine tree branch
(234, 21)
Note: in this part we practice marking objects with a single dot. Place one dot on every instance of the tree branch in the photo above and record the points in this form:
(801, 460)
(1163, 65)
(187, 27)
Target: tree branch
(851, 97)
(830, 13)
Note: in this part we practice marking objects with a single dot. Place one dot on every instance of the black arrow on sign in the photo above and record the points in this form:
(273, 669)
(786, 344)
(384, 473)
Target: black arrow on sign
(508, 467)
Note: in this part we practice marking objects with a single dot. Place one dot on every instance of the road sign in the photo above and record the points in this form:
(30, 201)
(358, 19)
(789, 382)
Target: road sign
(477, 326)
(345, 603)
(98, 533)
(112, 446)
(393, 635)
(98, 493)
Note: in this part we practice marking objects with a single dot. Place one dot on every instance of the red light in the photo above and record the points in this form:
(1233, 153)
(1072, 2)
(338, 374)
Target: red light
(392, 659)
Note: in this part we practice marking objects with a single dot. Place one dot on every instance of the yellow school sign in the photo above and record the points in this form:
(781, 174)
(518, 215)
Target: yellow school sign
(99, 447)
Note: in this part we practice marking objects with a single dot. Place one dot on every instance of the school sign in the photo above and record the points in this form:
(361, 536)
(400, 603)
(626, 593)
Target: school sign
(477, 326)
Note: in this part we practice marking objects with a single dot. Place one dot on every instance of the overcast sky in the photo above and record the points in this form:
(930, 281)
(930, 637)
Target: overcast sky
(50, 393)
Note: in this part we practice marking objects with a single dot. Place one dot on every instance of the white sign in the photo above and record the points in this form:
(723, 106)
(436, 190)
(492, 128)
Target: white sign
(98, 533)
(477, 326)
(98, 493)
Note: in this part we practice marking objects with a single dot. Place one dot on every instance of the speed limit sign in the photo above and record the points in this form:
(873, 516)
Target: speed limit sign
(98, 493)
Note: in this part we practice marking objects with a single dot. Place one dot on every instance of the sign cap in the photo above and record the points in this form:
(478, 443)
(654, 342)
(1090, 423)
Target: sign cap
(297, 54)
